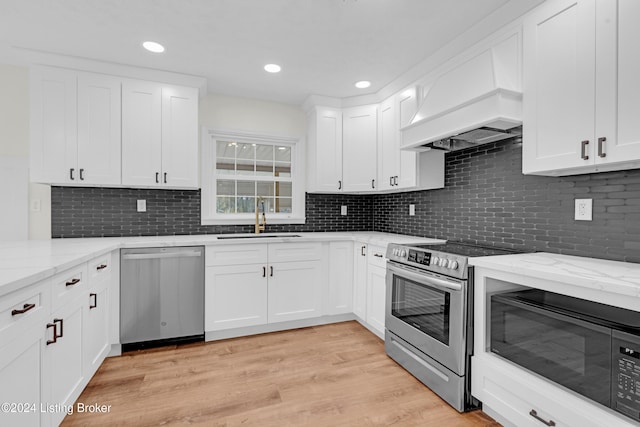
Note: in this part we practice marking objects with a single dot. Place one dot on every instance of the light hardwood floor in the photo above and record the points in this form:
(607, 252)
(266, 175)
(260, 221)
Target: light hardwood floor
(332, 375)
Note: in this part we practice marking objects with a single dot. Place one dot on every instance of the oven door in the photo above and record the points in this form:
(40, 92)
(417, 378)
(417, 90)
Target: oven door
(429, 312)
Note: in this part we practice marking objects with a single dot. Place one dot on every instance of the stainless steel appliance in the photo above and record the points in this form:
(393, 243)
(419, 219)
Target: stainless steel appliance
(161, 296)
(588, 347)
(428, 317)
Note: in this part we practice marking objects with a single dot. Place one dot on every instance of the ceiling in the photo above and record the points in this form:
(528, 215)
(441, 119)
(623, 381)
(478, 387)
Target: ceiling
(323, 46)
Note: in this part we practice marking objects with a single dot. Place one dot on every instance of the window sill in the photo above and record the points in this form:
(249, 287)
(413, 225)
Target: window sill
(241, 221)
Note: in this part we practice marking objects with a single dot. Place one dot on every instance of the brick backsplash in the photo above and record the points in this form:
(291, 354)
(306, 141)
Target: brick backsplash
(109, 212)
(486, 199)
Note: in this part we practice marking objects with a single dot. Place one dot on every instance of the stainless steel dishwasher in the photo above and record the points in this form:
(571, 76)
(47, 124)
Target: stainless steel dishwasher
(161, 296)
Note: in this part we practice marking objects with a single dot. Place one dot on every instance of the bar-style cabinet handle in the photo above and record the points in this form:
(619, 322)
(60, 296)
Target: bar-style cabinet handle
(93, 304)
(81, 174)
(264, 271)
(391, 181)
(61, 322)
(373, 183)
(22, 310)
(535, 415)
(101, 267)
(362, 251)
(339, 185)
(71, 174)
(55, 333)
(157, 177)
(583, 150)
(165, 177)
(72, 282)
(601, 142)
(271, 270)
(395, 180)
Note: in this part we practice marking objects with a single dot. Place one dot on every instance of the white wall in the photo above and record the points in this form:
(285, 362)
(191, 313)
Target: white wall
(229, 113)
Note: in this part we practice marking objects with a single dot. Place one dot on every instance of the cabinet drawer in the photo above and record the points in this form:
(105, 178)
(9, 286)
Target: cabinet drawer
(69, 284)
(99, 269)
(289, 252)
(376, 256)
(236, 254)
(22, 308)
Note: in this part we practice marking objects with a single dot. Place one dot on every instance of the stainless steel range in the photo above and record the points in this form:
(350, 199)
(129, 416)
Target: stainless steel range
(429, 316)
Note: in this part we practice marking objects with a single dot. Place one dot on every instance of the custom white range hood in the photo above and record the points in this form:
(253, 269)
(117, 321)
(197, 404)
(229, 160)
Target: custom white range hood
(477, 102)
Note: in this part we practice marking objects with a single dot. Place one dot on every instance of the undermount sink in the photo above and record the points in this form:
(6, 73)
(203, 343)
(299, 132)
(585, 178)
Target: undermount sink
(256, 236)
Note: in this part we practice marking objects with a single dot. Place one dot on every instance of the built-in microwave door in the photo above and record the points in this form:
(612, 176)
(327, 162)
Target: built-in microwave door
(429, 313)
(563, 349)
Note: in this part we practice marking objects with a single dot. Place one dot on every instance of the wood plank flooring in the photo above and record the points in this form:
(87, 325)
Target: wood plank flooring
(331, 375)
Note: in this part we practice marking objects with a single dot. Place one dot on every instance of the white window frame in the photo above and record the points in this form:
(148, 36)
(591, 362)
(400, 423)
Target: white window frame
(209, 216)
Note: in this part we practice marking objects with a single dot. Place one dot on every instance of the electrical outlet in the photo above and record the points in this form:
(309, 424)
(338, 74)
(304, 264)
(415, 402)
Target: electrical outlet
(412, 210)
(343, 210)
(584, 210)
(142, 205)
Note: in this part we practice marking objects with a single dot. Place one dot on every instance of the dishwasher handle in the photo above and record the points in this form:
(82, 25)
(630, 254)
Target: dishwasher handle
(158, 255)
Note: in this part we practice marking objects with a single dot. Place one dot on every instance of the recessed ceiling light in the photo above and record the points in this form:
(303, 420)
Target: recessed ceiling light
(363, 84)
(153, 47)
(272, 68)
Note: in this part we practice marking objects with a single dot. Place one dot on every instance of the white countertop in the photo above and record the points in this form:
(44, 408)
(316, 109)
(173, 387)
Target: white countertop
(614, 277)
(26, 262)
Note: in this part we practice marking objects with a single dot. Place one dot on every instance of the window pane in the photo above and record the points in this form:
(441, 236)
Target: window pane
(246, 188)
(265, 189)
(264, 168)
(226, 149)
(283, 189)
(269, 205)
(283, 154)
(225, 204)
(246, 151)
(245, 167)
(225, 167)
(283, 170)
(225, 187)
(264, 152)
(283, 204)
(246, 204)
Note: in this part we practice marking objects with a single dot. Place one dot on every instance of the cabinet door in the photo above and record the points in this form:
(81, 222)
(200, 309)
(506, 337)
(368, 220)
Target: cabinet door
(360, 280)
(359, 148)
(295, 290)
(180, 163)
(53, 126)
(340, 277)
(559, 86)
(617, 71)
(388, 161)
(21, 378)
(63, 360)
(96, 328)
(326, 153)
(376, 285)
(407, 107)
(141, 133)
(235, 296)
(99, 130)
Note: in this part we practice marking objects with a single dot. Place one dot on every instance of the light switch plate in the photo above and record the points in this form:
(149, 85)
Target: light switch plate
(343, 210)
(584, 210)
(412, 210)
(142, 205)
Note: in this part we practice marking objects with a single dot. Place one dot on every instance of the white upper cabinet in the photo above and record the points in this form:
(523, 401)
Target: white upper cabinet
(359, 148)
(75, 128)
(580, 68)
(324, 154)
(159, 135)
(396, 168)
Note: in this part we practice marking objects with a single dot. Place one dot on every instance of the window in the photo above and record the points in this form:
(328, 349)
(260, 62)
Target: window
(239, 170)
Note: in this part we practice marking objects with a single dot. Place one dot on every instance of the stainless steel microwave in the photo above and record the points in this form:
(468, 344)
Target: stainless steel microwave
(588, 347)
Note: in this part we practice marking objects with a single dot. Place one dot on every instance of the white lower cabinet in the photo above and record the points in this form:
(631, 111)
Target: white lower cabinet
(360, 280)
(96, 306)
(240, 295)
(376, 286)
(369, 286)
(340, 289)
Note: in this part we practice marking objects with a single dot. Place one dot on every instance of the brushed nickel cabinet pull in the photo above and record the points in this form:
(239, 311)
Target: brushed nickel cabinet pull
(535, 415)
(55, 333)
(23, 310)
(72, 282)
(583, 152)
(101, 267)
(61, 321)
(95, 300)
(601, 142)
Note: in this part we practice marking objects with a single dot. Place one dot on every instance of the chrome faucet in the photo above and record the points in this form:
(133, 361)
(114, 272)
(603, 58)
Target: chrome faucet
(260, 227)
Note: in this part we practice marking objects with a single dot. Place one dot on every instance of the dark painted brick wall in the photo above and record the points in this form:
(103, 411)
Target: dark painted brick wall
(486, 199)
(107, 212)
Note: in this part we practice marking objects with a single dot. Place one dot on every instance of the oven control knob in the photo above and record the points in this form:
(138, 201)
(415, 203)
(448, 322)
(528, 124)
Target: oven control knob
(453, 264)
(395, 252)
(403, 253)
(435, 261)
(443, 262)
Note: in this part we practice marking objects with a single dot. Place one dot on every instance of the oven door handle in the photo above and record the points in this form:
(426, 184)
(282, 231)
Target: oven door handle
(444, 285)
